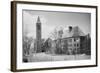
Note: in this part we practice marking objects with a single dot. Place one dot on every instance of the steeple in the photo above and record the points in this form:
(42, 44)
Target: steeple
(38, 20)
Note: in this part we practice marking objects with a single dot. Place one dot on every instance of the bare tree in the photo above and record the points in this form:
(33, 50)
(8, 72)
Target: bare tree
(57, 36)
(53, 35)
(26, 46)
(57, 33)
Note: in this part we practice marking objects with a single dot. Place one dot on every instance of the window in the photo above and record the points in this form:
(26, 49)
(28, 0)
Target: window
(77, 45)
(74, 39)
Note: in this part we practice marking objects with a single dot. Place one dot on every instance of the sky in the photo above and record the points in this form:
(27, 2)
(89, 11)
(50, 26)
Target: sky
(51, 20)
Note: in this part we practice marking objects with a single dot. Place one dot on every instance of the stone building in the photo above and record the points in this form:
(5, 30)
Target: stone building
(72, 41)
(75, 38)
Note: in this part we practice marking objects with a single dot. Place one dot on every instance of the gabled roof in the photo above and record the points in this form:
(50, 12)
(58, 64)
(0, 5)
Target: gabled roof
(76, 31)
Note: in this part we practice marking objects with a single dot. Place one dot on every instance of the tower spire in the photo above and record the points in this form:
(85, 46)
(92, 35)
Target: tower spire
(38, 20)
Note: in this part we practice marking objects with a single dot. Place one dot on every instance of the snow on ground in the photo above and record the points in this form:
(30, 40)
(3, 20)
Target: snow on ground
(39, 57)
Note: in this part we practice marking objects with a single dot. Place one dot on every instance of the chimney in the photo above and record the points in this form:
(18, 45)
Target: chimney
(70, 28)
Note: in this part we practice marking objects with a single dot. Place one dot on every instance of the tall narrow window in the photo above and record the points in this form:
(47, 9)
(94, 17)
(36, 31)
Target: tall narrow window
(74, 39)
(77, 44)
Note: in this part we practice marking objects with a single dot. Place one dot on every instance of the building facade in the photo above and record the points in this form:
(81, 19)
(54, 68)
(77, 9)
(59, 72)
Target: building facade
(73, 41)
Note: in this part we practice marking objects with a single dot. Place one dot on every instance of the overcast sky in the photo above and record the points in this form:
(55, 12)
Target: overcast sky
(51, 20)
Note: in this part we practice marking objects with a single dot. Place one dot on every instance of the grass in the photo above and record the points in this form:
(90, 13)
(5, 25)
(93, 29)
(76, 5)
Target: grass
(40, 57)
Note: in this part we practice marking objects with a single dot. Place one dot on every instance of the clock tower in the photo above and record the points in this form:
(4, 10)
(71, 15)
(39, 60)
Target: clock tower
(38, 35)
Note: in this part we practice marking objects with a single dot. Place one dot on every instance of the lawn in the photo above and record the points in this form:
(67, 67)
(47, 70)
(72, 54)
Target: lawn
(39, 57)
